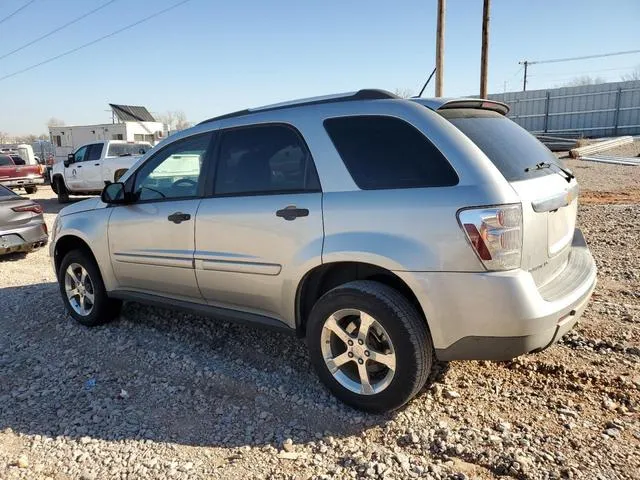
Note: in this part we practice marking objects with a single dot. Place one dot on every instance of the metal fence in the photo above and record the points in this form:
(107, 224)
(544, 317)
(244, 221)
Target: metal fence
(605, 109)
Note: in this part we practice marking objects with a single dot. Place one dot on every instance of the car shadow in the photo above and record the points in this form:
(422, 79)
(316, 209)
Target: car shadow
(159, 375)
(13, 257)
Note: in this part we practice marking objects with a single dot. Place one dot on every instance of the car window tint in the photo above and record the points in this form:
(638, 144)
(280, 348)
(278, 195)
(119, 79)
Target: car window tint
(95, 152)
(385, 152)
(80, 154)
(264, 159)
(509, 146)
(18, 160)
(174, 172)
(5, 160)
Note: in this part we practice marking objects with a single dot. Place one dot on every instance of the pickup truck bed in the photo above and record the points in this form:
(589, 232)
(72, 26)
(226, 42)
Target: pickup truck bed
(20, 176)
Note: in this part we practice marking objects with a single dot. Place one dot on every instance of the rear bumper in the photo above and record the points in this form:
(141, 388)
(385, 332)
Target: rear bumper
(24, 239)
(500, 315)
(23, 182)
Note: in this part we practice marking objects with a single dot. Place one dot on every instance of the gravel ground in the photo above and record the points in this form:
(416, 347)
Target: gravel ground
(159, 394)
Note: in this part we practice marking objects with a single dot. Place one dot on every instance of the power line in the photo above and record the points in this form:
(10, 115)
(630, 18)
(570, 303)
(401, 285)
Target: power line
(93, 42)
(586, 57)
(75, 20)
(17, 11)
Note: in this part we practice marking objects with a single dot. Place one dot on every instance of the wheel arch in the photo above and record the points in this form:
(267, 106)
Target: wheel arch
(327, 276)
(66, 244)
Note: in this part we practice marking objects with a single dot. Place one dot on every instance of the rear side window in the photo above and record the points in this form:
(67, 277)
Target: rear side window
(264, 159)
(18, 160)
(386, 152)
(5, 160)
(509, 146)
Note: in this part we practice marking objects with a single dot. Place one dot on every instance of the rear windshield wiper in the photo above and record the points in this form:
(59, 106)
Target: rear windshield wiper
(568, 174)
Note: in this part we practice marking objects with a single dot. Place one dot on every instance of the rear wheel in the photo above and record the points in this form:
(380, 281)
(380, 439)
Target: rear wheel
(61, 190)
(83, 291)
(369, 345)
(31, 190)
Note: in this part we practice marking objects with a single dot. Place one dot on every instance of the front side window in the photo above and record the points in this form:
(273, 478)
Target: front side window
(264, 159)
(386, 152)
(95, 152)
(174, 172)
(81, 154)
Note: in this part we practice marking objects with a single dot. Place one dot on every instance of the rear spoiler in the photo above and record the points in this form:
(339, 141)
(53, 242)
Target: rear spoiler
(480, 104)
(476, 103)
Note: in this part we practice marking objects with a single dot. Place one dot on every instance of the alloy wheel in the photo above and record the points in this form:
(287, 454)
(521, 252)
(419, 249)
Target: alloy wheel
(358, 351)
(79, 289)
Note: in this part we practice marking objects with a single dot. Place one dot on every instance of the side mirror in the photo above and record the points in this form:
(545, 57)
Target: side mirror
(71, 157)
(115, 193)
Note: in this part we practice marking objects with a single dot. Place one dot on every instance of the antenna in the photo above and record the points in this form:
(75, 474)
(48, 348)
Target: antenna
(427, 82)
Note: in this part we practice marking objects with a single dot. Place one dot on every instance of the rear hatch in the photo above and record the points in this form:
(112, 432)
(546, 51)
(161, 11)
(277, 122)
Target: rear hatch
(549, 196)
(10, 218)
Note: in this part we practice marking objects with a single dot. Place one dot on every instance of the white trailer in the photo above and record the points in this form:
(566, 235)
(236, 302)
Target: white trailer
(67, 139)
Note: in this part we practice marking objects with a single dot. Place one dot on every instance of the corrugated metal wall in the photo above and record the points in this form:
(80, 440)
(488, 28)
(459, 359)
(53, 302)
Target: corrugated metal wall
(602, 110)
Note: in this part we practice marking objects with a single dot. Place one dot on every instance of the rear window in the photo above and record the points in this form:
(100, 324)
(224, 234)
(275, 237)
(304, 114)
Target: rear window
(509, 146)
(127, 149)
(5, 160)
(385, 152)
(5, 193)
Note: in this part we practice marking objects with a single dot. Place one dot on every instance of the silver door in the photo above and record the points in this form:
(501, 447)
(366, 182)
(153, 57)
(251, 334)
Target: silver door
(151, 241)
(263, 227)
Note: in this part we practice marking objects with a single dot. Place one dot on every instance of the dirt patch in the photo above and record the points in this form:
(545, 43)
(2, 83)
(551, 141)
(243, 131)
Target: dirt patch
(617, 197)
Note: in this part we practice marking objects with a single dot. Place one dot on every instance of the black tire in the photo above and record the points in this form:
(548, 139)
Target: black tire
(104, 308)
(61, 190)
(406, 328)
(31, 190)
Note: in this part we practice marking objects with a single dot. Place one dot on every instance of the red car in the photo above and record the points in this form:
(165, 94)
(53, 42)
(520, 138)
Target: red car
(15, 173)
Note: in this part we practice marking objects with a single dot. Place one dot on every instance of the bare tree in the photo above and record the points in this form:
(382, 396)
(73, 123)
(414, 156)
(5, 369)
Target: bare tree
(584, 80)
(403, 92)
(44, 137)
(55, 122)
(174, 120)
(4, 137)
(635, 75)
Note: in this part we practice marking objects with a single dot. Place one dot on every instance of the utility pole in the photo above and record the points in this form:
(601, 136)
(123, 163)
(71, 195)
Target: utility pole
(524, 83)
(484, 64)
(440, 48)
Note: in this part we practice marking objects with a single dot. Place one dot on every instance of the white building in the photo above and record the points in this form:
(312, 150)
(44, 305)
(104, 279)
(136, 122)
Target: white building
(131, 123)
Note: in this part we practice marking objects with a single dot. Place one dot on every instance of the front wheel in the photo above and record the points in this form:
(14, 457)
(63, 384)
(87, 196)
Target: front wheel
(61, 190)
(83, 291)
(369, 345)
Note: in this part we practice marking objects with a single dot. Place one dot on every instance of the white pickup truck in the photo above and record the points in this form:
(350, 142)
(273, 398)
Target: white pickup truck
(92, 166)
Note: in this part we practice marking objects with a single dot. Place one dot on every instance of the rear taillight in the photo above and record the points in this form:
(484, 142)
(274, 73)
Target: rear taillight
(34, 207)
(495, 233)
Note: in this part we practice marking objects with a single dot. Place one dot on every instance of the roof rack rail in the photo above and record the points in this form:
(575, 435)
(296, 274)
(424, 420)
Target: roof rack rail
(364, 94)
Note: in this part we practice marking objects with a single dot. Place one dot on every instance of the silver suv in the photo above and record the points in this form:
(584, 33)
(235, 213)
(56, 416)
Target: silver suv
(389, 233)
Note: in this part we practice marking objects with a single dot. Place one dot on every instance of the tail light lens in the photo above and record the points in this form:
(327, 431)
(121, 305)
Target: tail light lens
(495, 233)
(34, 207)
